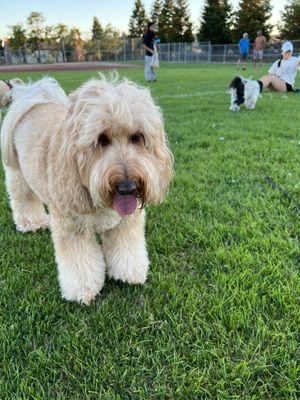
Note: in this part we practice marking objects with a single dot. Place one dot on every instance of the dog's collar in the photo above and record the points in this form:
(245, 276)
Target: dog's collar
(8, 83)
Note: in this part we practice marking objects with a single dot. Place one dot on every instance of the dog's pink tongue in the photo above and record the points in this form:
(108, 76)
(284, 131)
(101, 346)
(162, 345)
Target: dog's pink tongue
(125, 204)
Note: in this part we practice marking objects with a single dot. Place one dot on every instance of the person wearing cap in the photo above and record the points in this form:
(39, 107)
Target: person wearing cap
(282, 73)
(258, 48)
(244, 45)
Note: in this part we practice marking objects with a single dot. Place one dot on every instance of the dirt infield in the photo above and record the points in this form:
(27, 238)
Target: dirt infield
(69, 66)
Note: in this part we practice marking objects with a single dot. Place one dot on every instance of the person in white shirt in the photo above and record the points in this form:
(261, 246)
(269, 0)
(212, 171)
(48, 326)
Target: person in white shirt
(282, 73)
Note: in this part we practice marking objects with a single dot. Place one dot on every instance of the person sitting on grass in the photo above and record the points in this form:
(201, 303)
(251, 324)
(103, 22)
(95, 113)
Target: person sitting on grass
(282, 74)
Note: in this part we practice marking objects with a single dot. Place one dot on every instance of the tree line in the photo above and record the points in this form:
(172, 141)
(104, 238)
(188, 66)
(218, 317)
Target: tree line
(36, 36)
(219, 22)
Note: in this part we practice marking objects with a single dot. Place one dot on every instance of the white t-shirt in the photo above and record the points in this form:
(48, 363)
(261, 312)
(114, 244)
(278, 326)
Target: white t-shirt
(287, 71)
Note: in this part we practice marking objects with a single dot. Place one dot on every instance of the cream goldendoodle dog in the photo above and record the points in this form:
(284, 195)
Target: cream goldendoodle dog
(5, 90)
(95, 159)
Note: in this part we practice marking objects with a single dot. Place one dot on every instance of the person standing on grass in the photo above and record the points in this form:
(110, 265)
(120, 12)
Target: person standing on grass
(258, 50)
(282, 73)
(148, 44)
(244, 46)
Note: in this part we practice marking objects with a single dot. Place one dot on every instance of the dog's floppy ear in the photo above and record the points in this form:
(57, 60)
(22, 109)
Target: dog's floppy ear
(73, 197)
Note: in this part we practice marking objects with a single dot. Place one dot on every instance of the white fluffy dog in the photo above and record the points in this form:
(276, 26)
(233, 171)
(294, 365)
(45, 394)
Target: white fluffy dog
(244, 91)
(6, 87)
(95, 158)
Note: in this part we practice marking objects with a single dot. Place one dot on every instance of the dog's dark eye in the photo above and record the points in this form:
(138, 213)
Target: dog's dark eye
(137, 138)
(103, 140)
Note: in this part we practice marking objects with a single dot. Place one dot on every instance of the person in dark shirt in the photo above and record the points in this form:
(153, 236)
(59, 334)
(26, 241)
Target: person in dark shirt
(148, 44)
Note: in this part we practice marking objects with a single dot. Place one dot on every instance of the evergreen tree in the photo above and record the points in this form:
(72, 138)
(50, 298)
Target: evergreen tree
(216, 22)
(182, 25)
(251, 16)
(165, 23)
(97, 30)
(290, 17)
(138, 20)
(156, 14)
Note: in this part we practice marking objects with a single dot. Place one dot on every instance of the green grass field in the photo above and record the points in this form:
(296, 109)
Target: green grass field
(219, 317)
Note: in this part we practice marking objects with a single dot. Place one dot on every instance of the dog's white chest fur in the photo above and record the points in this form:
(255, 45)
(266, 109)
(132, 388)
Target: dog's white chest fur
(97, 223)
(108, 220)
(100, 222)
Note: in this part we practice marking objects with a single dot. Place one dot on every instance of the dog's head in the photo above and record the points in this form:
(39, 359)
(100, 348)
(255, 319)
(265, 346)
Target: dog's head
(115, 135)
(236, 90)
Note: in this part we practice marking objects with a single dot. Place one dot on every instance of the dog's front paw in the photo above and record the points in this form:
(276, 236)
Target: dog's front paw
(24, 224)
(234, 107)
(134, 273)
(80, 288)
(80, 295)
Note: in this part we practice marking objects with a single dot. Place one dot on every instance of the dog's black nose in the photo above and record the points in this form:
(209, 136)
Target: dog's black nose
(126, 187)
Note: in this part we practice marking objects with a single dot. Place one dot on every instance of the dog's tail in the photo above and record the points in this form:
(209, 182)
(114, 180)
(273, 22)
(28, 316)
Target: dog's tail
(237, 84)
(24, 98)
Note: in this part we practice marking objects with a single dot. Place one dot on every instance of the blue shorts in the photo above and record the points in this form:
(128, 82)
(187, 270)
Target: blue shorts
(244, 56)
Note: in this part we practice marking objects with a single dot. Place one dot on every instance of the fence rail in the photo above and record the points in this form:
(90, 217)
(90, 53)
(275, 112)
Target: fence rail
(133, 51)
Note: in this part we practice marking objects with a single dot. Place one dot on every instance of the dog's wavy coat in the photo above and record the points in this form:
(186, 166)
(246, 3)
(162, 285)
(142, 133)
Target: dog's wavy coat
(95, 158)
(245, 91)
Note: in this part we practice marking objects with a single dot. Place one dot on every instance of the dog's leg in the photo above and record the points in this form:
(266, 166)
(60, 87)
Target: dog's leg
(28, 211)
(233, 106)
(125, 250)
(80, 261)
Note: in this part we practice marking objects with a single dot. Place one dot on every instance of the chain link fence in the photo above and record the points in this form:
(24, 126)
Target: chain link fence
(131, 50)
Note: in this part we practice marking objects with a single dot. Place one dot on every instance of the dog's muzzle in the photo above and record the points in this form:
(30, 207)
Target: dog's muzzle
(125, 198)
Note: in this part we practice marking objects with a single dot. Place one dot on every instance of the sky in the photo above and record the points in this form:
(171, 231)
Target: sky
(80, 13)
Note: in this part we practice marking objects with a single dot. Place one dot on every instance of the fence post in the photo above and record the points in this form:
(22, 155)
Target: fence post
(179, 52)
(5, 48)
(63, 50)
(209, 53)
(174, 52)
(224, 53)
(185, 50)
(124, 49)
(169, 49)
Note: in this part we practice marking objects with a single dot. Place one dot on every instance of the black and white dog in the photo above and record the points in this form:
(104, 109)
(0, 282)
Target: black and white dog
(244, 91)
